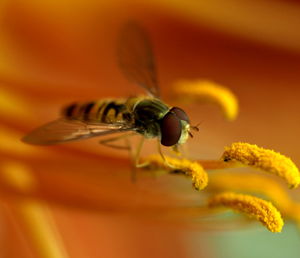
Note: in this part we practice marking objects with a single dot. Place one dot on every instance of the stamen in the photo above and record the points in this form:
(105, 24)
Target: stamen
(215, 164)
(207, 91)
(41, 229)
(251, 183)
(252, 206)
(189, 168)
(254, 183)
(267, 160)
(35, 216)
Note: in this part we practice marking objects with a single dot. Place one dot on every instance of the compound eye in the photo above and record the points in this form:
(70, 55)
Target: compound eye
(170, 128)
(180, 114)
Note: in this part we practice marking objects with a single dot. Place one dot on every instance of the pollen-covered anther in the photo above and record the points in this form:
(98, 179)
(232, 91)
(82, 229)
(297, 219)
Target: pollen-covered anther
(252, 183)
(208, 91)
(187, 167)
(252, 206)
(267, 160)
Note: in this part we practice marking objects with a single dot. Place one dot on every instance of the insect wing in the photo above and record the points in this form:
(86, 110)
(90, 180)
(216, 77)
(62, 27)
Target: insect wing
(64, 130)
(136, 58)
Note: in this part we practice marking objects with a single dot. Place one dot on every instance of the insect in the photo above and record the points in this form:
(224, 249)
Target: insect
(148, 115)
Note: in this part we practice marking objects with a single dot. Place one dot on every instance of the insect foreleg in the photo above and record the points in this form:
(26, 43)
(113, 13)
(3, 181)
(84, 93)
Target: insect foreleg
(163, 157)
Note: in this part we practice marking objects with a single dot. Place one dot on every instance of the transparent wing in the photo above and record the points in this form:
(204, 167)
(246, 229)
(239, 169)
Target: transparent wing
(64, 130)
(136, 57)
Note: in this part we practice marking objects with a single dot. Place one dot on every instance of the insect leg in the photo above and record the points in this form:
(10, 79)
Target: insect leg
(127, 146)
(135, 158)
(176, 150)
(163, 157)
(107, 142)
(138, 153)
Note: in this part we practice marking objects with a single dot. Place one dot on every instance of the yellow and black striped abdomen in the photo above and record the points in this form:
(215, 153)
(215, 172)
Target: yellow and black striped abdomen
(101, 111)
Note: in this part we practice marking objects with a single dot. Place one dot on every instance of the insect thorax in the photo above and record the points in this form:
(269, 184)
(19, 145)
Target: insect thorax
(147, 114)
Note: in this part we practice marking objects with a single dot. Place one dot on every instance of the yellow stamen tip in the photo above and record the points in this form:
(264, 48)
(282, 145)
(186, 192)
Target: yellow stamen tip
(267, 160)
(251, 183)
(254, 207)
(189, 168)
(211, 92)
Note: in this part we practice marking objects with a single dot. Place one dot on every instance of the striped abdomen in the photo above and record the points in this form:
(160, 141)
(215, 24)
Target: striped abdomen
(101, 111)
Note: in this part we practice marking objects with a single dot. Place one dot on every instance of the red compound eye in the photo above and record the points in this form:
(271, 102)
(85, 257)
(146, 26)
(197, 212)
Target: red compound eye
(170, 129)
(180, 114)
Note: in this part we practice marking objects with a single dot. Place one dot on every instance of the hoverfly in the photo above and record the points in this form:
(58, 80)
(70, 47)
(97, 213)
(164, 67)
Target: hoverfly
(148, 116)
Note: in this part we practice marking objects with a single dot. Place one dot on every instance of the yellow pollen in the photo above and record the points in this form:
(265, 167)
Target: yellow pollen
(189, 168)
(207, 91)
(262, 185)
(251, 183)
(267, 160)
(252, 206)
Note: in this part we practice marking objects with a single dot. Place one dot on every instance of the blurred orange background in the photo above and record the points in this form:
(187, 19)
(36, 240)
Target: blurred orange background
(55, 52)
